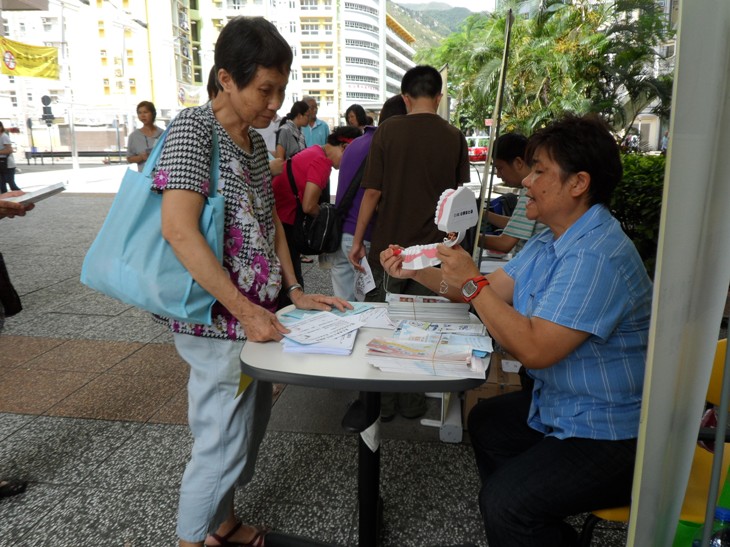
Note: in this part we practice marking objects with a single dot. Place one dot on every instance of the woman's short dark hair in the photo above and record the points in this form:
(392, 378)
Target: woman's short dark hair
(343, 134)
(510, 146)
(247, 43)
(395, 106)
(360, 115)
(421, 81)
(297, 109)
(582, 143)
(149, 105)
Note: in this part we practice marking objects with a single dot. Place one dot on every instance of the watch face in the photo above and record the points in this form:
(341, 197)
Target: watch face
(469, 288)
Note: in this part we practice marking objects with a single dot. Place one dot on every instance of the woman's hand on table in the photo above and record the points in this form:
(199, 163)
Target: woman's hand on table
(457, 266)
(392, 261)
(260, 325)
(305, 301)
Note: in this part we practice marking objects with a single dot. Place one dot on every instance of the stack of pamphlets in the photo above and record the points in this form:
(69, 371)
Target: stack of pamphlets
(331, 332)
(447, 349)
(426, 308)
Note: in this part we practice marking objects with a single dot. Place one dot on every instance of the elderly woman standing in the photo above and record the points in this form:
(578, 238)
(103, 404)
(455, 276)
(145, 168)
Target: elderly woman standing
(573, 307)
(252, 62)
(142, 140)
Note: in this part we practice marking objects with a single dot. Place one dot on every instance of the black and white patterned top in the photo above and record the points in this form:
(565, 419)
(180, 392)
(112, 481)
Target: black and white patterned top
(249, 253)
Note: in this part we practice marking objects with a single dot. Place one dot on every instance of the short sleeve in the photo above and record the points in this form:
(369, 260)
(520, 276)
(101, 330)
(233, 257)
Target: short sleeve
(186, 155)
(373, 173)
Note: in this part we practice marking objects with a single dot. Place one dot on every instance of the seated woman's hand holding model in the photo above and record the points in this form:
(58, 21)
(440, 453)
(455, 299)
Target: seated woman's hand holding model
(252, 63)
(574, 308)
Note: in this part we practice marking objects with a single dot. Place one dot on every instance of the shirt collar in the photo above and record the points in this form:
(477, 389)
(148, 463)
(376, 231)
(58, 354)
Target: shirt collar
(595, 216)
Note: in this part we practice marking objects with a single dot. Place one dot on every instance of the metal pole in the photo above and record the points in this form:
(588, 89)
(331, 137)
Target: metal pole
(488, 173)
(68, 91)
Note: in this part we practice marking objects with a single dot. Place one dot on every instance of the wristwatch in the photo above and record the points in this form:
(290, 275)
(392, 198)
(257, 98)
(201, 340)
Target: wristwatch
(473, 287)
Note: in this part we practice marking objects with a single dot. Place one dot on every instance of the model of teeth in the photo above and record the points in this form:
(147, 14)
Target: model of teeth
(456, 212)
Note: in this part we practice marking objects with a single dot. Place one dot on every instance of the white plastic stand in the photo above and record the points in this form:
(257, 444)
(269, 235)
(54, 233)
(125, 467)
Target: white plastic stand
(450, 428)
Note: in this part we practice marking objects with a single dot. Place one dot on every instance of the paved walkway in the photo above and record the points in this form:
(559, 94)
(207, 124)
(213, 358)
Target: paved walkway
(93, 405)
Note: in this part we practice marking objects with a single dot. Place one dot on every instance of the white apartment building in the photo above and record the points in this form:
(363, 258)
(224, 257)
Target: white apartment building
(116, 53)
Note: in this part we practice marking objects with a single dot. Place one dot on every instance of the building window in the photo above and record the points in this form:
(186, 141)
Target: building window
(362, 43)
(308, 5)
(293, 27)
(101, 29)
(30, 97)
(13, 99)
(309, 28)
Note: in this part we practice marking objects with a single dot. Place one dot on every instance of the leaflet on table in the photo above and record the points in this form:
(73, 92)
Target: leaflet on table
(468, 334)
(393, 297)
(357, 308)
(408, 349)
(477, 368)
(342, 345)
(321, 326)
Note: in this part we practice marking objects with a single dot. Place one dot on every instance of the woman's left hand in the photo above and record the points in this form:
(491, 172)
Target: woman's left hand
(456, 265)
(305, 301)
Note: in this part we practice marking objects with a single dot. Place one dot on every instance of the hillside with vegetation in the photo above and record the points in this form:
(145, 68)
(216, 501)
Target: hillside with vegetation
(430, 23)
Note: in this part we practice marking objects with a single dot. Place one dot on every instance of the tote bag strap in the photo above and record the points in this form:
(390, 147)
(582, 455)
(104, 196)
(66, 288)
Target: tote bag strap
(292, 183)
(214, 158)
(349, 196)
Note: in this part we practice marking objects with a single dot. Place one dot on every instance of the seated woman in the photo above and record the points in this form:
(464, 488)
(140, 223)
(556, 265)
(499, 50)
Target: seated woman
(573, 307)
(311, 169)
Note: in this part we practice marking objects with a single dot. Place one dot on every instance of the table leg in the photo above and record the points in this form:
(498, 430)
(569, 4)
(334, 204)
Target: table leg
(369, 478)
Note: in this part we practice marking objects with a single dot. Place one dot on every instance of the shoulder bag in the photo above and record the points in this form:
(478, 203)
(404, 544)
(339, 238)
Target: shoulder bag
(314, 235)
(131, 261)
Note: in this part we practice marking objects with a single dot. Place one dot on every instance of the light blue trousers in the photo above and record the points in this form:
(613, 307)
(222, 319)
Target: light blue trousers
(227, 432)
(343, 272)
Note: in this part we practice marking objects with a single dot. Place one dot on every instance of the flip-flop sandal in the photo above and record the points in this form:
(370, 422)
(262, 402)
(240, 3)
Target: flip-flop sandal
(306, 260)
(256, 541)
(11, 487)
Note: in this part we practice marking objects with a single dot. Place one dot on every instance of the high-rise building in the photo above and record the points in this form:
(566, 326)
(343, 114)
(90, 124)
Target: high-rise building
(116, 53)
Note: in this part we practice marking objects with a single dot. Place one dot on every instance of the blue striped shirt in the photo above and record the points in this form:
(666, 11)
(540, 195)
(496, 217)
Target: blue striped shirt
(590, 279)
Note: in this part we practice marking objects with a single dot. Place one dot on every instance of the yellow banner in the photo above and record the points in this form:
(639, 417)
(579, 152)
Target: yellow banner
(31, 61)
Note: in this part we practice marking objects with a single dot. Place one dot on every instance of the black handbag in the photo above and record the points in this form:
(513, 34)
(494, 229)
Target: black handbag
(314, 235)
(8, 296)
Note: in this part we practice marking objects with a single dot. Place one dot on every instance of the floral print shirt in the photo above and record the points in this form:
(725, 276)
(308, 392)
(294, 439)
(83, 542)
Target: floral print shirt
(249, 253)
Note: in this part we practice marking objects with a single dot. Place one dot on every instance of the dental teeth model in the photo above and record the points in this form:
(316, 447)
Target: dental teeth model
(456, 212)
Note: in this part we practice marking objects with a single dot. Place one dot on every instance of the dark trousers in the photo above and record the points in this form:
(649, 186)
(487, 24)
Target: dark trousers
(293, 253)
(531, 482)
(7, 179)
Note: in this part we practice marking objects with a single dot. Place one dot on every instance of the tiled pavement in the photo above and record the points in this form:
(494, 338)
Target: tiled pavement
(92, 412)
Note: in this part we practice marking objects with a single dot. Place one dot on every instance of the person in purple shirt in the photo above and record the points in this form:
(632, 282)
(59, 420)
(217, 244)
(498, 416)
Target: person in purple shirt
(342, 272)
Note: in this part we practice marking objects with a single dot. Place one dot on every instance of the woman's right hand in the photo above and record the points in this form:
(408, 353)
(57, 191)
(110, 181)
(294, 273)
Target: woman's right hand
(260, 325)
(392, 261)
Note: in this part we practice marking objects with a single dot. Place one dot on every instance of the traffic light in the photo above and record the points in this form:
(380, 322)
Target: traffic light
(47, 112)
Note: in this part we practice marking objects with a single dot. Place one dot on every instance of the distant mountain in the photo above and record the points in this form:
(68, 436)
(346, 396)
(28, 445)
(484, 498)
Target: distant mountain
(429, 22)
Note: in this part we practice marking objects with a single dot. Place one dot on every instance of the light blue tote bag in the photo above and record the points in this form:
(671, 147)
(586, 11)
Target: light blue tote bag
(131, 261)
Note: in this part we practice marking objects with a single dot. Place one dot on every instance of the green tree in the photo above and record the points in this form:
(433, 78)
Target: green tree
(578, 56)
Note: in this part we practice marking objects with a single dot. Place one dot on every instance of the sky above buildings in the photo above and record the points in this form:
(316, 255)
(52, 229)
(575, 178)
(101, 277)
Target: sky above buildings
(473, 5)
